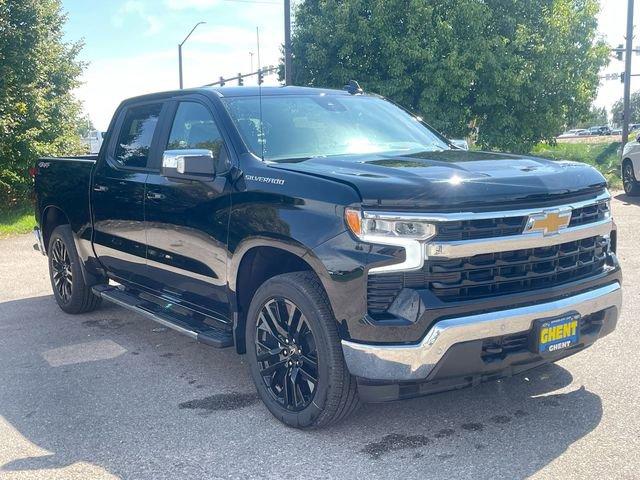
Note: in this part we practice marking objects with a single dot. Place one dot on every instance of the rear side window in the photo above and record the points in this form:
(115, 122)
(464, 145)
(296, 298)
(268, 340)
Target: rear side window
(194, 128)
(136, 134)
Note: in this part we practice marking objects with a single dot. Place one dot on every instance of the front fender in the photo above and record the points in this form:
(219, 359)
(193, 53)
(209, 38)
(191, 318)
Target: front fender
(287, 244)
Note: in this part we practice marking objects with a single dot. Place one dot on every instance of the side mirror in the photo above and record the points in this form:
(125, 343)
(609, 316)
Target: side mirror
(195, 164)
(460, 143)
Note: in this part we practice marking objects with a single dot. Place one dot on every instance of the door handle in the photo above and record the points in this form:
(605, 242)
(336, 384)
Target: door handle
(100, 188)
(155, 196)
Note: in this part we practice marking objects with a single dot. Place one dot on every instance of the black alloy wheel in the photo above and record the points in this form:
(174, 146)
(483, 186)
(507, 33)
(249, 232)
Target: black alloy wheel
(629, 181)
(61, 270)
(70, 288)
(295, 355)
(287, 354)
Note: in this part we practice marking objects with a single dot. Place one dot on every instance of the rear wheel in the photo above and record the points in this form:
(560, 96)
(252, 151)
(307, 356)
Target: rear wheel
(71, 292)
(629, 181)
(295, 354)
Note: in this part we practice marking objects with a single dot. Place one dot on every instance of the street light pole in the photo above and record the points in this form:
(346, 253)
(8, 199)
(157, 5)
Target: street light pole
(180, 64)
(288, 72)
(180, 51)
(626, 116)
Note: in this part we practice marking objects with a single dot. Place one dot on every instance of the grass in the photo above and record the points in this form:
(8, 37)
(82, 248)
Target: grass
(604, 156)
(18, 220)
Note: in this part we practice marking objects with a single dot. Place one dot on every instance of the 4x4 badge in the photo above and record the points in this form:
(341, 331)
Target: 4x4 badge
(548, 222)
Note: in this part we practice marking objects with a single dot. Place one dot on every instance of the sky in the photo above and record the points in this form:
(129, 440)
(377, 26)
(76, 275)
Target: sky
(131, 45)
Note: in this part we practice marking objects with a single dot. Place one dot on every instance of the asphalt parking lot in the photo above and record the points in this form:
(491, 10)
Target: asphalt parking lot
(112, 395)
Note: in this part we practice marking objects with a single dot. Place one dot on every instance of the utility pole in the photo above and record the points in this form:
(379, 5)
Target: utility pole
(288, 69)
(180, 51)
(627, 75)
(251, 57)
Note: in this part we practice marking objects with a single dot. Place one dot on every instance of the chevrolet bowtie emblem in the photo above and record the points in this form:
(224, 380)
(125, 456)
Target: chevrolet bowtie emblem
(549, 222)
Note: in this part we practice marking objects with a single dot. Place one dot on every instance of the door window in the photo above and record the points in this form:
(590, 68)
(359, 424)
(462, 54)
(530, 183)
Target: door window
(136, 134)
(194, 128)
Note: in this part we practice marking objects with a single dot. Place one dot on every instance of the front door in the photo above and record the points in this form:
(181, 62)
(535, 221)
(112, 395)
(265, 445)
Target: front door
(187, 220)
(118, 192)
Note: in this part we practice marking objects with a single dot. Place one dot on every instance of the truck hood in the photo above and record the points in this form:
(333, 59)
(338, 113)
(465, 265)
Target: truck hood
(453, 179)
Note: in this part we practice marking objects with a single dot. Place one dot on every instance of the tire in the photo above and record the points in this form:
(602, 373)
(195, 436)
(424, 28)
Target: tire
(334, 396)
(629, 181)
(71, 292)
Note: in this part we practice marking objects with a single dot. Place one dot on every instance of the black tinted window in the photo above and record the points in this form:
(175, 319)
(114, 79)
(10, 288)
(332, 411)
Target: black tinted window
(193, 128)
(136, 133)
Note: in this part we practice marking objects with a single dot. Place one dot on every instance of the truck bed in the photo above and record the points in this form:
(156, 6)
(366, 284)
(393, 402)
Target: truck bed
(66, 183)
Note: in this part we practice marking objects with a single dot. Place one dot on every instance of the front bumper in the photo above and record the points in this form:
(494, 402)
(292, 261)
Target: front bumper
(413, 363)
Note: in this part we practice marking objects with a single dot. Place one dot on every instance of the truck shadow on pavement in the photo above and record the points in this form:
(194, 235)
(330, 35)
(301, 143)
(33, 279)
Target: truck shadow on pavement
(116, 391)
(627, 199)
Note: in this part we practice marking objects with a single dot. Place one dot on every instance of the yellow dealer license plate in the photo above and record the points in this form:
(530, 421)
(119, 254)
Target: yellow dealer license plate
(558, 333)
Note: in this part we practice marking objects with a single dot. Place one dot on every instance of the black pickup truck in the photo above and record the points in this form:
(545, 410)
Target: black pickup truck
(353, 253)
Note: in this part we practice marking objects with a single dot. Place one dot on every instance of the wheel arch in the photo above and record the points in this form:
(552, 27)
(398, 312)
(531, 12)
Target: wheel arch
(257, 260)
(52, 217)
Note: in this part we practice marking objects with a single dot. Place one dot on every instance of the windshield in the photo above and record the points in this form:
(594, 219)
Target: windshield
(295, 127)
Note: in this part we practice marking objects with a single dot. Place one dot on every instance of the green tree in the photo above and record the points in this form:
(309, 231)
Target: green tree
(38, 71)
(513, 71)
(634, 104)
(84, 126)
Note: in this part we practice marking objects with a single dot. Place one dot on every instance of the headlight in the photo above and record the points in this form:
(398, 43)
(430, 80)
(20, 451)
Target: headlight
(392, 229)
(370, 226)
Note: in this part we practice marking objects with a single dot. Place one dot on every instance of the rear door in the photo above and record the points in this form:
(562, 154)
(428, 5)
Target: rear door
(187, 220)
(118, 192)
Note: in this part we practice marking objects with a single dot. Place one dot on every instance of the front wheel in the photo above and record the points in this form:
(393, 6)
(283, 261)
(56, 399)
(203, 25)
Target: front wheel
(294, 353)
(629, 181)
(71, 292)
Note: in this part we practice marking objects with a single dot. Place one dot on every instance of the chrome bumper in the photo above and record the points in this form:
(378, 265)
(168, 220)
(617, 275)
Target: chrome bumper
(39, 245)
(415, 362)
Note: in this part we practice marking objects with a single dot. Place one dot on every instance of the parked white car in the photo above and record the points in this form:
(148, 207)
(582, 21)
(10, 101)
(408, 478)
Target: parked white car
(631, 167)
(574, 133)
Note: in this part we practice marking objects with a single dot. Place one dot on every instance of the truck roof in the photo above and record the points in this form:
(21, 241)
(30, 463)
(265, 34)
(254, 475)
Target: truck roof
(248, 91)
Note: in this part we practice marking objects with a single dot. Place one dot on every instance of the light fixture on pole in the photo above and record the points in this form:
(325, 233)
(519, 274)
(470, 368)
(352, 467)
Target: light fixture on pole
(180, 50)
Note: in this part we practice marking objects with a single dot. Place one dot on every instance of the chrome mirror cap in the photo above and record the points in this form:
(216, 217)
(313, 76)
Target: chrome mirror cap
(197, 163)
(175, 158)
(460, 143)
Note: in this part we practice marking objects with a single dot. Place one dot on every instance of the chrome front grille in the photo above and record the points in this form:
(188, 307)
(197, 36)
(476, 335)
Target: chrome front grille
(506, 226)
(494, 274)
(474, 258)
(482, 228)
(589, 214)
(511, 272)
